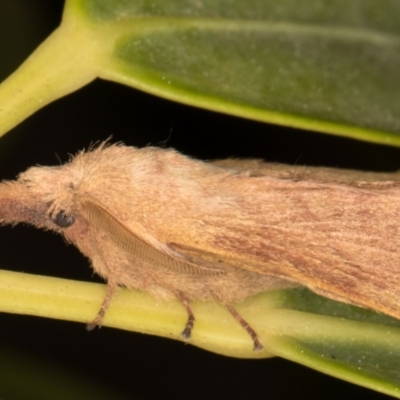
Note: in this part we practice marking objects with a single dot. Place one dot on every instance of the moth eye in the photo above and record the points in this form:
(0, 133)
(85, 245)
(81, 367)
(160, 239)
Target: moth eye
(63, 220)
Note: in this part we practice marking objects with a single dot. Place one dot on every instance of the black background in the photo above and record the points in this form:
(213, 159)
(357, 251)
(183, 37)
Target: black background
(135, 365)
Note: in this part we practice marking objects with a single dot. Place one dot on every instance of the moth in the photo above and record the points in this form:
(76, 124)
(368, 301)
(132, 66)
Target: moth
(158, 221)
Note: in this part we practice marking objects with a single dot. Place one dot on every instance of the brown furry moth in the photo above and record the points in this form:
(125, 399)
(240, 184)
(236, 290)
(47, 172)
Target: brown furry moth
(172, 226)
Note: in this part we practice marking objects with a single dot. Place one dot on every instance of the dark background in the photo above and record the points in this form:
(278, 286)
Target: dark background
(135, 365)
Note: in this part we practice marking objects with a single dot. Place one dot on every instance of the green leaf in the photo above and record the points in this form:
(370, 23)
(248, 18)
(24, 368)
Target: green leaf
(348, 342)
(330, 66)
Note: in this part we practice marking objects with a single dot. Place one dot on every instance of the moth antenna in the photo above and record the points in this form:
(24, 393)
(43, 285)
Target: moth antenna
(133, 244)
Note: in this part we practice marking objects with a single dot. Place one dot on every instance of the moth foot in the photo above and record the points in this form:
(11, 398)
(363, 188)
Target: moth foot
(186, 334)
(97, 321)
(252, 333)
(91, 325)
(258, 347)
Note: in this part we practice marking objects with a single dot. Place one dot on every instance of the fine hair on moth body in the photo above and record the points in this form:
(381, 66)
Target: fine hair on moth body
(158, 221)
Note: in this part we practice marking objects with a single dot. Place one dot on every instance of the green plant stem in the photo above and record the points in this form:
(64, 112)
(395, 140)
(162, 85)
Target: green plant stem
(35, 85)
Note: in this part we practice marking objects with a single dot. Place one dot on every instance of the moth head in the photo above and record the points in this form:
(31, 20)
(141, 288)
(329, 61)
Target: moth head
(56, 188)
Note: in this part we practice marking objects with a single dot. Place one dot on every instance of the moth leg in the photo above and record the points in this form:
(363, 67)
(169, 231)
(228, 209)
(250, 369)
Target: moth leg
(111, 289)
(257, 344)
(187, 332)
